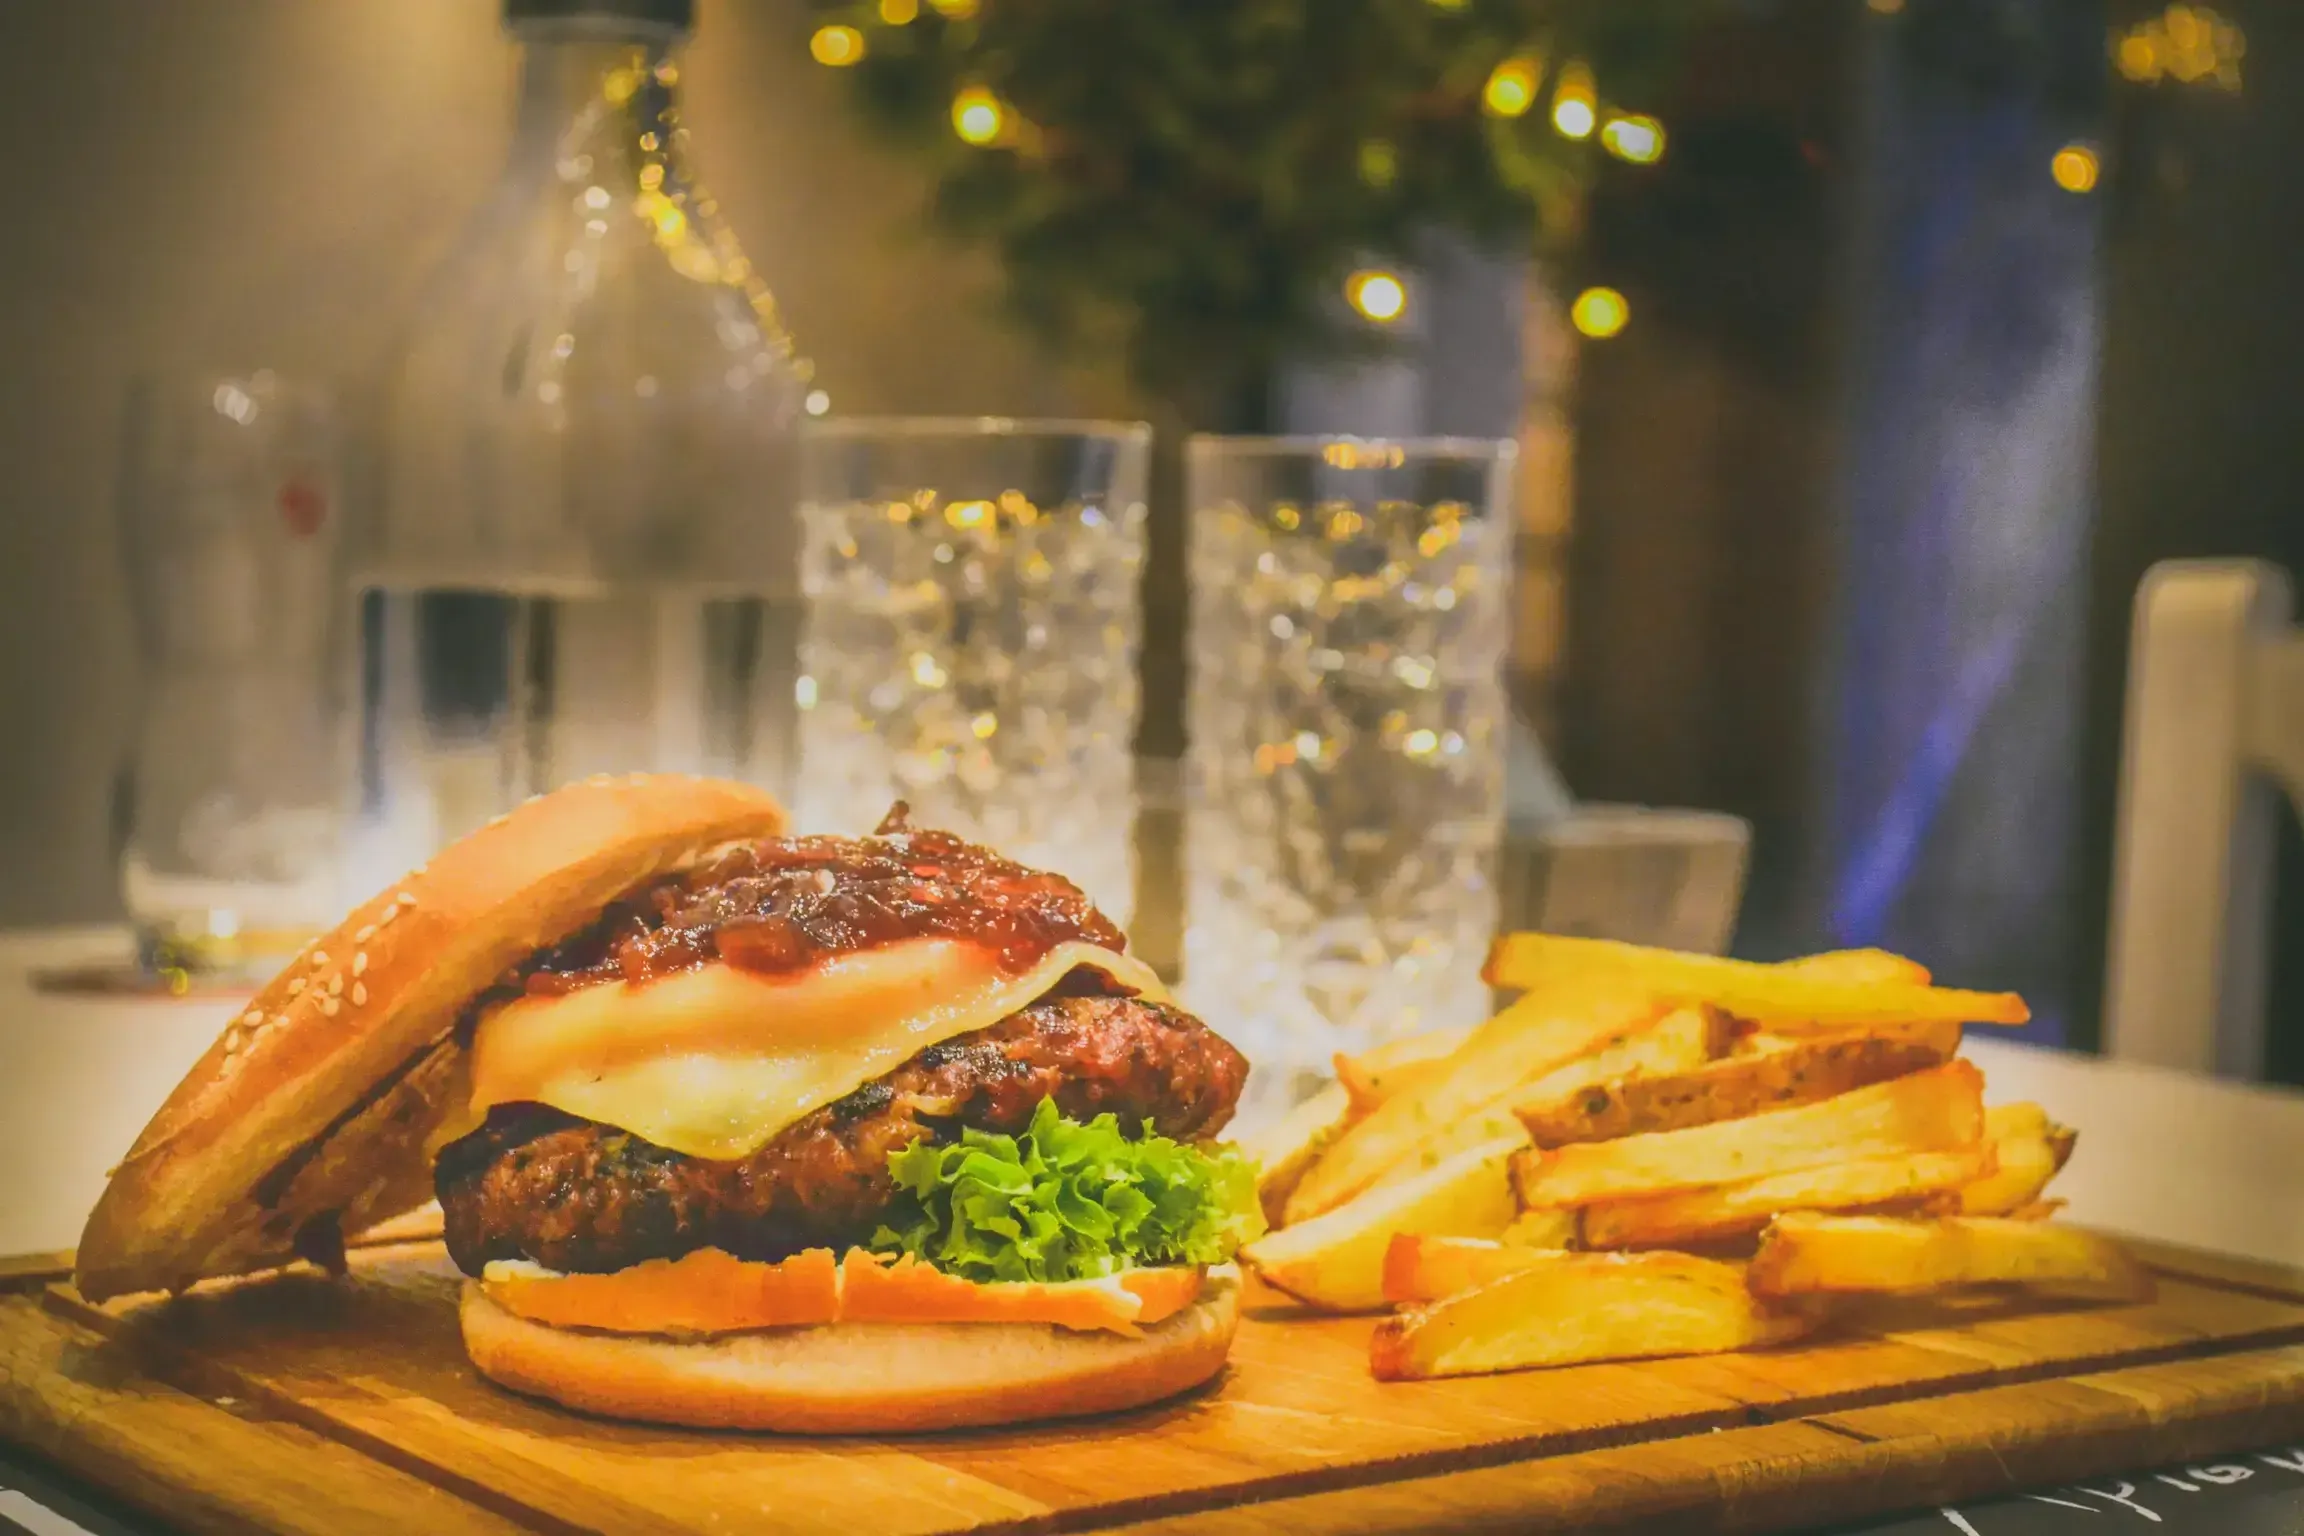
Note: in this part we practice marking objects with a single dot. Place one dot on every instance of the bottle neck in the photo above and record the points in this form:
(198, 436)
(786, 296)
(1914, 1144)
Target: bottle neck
(567, 65)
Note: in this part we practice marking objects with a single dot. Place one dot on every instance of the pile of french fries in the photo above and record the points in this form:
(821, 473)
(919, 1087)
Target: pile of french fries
(1652, 1153)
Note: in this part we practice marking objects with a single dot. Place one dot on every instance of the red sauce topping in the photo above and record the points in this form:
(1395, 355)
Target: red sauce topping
(785, 903)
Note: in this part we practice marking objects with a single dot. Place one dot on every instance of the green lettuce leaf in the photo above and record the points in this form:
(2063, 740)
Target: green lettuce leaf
(1067, 1201)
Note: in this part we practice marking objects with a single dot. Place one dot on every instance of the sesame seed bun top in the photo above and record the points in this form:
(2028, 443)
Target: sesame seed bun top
(314, 1113)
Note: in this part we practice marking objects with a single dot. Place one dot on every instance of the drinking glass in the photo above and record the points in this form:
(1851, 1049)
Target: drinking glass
(969, 634)
(1347, 719)
(230, 524)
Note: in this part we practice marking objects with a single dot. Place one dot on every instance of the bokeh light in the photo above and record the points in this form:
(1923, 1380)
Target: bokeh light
(1511, 88)
(1599, 313)
(1379, 296)
(836, 46)
(2075, 168)
(1634, 137)
(977, 116)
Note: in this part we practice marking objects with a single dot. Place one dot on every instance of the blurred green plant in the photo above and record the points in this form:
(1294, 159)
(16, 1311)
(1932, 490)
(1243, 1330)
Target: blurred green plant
(1193, 182)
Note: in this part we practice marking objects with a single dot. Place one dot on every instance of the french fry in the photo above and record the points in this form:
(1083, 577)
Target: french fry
(1732, 1210)
(1570, 1308)
(1377, 1073)
(2030, 1149)
(1805, 1254)
(1682, 1039)
(1938, 1110)
(1786, 998)
(1335, 1261)
(1550, 1026)
(1421, 1269)
(1283, 1150)
(1551, 1228)
(1798, 1072)
(1866, 965)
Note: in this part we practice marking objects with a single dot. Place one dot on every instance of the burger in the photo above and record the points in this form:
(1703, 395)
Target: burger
(728, 1127)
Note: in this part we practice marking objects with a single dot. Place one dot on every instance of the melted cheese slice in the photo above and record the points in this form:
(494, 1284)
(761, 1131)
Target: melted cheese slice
(714, 1061)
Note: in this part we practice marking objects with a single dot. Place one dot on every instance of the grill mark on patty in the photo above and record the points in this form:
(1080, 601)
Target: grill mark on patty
(573, 1195)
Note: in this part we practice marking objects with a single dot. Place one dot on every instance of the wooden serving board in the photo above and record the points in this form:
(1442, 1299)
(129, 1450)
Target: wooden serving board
(302, 1405)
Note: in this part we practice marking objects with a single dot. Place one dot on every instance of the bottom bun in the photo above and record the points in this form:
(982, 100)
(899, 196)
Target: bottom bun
(870, 1378)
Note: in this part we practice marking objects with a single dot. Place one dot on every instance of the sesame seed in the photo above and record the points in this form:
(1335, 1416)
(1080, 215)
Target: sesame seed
(390, 913)
(253, 1016)
(329, 1006)
(360, 963)
(406, 900)
(365, 934)
(336, 985)
(295, 986)
(359, 993)
(319, 958)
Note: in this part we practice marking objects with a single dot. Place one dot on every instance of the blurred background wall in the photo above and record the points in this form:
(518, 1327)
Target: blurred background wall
(244, 183)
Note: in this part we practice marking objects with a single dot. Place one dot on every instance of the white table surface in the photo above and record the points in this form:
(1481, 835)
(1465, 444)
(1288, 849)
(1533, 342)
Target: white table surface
(2161, 1154)
(79, 1076)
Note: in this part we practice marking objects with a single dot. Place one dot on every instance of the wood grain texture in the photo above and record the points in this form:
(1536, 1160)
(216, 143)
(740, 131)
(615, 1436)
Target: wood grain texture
(372, 1370)
(1931, 1451)
(230, 1468)
(31, 1270)
(377, 1363)
(2226, 1270)
(19, 1271)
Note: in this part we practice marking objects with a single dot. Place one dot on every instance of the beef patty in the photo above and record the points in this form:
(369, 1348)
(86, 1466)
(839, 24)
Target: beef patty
(575, 1195)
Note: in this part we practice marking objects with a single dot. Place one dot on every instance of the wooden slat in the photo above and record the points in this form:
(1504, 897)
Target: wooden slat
(2219, 1269)
(31, 1270)
(377, 1363)
(28, 1271)
(2185, 1318)
(203, 1466)
(1904, 1348)
(1843, 1466)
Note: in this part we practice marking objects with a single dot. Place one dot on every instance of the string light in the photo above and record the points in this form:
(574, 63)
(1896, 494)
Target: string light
(977, 116)
(817, 402)
(1379, 163)
(1378, 296)
(1599, 313)
(837, 46)
(1511, 88)
(954, 10)
(617, 86)
(2186, 43)
(1635, 137)
(897, 13)
(1574, 109)
(2075, 168)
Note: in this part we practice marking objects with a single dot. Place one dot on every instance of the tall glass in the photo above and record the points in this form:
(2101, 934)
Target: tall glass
(582, 558)
(969, 635)
(1347, 719)
(231, 529)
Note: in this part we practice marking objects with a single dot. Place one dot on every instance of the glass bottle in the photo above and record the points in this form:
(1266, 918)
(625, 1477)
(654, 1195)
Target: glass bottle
(582, 557)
